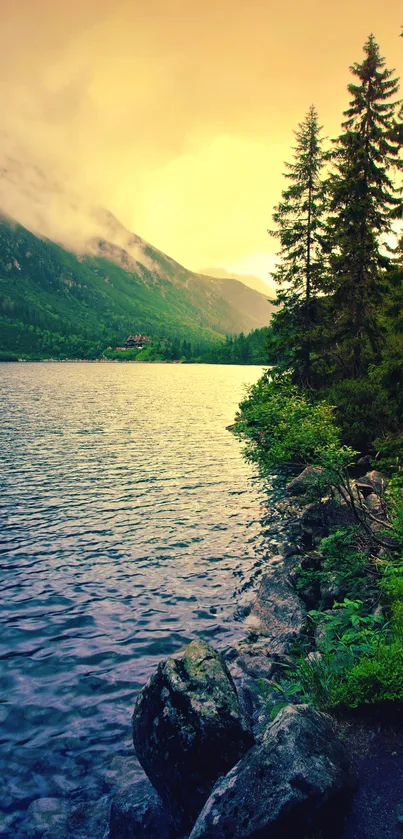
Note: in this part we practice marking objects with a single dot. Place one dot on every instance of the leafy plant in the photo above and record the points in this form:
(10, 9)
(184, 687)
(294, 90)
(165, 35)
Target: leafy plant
(283, 428)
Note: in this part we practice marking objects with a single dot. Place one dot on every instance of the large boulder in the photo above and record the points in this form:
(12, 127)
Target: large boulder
(307, 479)
(283, 785)
(188, 728)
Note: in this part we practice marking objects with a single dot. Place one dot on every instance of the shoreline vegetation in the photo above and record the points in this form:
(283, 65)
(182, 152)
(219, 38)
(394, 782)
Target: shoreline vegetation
(332, 404)
(323, 660)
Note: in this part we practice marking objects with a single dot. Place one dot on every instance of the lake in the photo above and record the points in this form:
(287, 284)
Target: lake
(130, 525)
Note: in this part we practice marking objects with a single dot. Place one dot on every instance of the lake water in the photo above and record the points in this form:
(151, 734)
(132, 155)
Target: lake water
(130, 525)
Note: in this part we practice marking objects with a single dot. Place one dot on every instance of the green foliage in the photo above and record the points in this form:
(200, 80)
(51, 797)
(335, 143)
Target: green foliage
(361, 654)
(344, 350)
(299, 223)
(318, 674)
(348, 626)
(240, 349)
(373, 680)
(286, 692)
(363, 201)
(363, 410)
(342, 559)
(340, 329)
(283, 428)
(395, 500)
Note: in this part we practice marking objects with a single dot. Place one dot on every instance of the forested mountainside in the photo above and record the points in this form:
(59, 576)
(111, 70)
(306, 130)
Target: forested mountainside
(57, 303)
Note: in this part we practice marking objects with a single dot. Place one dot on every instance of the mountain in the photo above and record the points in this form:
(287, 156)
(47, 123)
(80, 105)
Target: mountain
(249, 280)
(57, 302)
(74, 280)
(131, 252)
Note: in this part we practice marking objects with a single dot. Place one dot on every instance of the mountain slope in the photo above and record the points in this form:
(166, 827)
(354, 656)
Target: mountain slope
(119, 243)
(55, 302)
(250, 280)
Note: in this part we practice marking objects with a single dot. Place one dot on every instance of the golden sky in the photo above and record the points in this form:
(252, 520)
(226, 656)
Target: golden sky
(178, 115)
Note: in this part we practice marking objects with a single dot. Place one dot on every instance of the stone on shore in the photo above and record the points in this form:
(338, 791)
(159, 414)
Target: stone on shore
(137, 812)
(283, 785)
(320, 517)
(372, 482)
(277, 612)
(308, 478)
(188, 728)
(45, 815)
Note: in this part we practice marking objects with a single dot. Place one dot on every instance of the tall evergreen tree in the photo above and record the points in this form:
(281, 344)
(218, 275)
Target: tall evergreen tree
(363, 202)
(299, 219)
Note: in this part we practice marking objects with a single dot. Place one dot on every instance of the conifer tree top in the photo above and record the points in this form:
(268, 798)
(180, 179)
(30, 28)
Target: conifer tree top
(368, 106)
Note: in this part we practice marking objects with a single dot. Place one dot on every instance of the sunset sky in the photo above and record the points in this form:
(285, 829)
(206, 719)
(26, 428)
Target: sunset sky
(178, 115)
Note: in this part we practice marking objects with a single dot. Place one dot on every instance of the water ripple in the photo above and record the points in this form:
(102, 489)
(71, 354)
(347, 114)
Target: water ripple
(128, 521)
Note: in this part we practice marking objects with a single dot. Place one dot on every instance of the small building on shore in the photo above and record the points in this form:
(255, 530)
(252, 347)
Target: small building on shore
(136, 342)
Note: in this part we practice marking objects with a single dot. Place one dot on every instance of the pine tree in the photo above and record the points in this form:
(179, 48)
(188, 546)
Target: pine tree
(363, 202)
(299, 221)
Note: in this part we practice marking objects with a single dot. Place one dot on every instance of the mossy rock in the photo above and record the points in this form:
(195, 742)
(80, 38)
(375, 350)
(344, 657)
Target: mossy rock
(188, 728)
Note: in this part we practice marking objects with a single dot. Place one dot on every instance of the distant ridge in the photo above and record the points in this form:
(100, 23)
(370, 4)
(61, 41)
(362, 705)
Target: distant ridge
(250, 280)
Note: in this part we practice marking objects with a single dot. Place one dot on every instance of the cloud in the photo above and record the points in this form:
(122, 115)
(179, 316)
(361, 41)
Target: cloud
(176, 116)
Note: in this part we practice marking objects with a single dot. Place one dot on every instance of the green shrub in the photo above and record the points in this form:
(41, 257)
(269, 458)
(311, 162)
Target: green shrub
(395, 503)
(372, 680)
(363, 410)
(344, 560)
(282, 428)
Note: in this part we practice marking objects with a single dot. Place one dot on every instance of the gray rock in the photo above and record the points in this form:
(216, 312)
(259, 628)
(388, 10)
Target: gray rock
(45, 814)
(360, 467)
(320, 517)
(372, 482)
(375, 506)
(188, 728)
(365, 460)
(89, 819)
(257, 660)
(122, 772)
(307, 479)
(277, 612)
(282, 785)
(332, 589)
(138, 813)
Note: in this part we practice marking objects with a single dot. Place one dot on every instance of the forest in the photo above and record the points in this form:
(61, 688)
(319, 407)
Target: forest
(332, 403)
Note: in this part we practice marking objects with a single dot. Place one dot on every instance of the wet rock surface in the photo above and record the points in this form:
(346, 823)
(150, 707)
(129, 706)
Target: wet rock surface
(275, 622)
(137, 812)
(277, 612)
(46, 817)
(58, 818)
(283, 785)
(188, 728)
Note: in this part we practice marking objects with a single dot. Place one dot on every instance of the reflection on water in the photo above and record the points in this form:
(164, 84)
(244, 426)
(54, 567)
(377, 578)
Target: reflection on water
(129, 521)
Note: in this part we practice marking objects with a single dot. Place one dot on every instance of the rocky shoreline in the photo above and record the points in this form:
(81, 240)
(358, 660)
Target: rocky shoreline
(217, 765)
